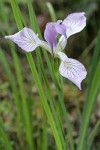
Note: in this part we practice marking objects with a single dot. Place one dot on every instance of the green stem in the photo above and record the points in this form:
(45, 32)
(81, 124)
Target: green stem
(69, 126)
(44, 101)
(89, 107)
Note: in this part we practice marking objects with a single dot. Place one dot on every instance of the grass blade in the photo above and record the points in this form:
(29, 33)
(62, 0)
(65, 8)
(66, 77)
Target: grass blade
(38, 83)
(93, 89)
(50, 98)
(51, 11)
(44, 101)
(92, 136)
(26, 114)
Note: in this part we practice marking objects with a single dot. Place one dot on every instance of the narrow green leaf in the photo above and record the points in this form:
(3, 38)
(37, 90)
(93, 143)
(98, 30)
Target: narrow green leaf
(51, 11)
(96, 56)
(94, 86)
(34, 25)
(27, 117)
(92, 135)
(38, 83)
(44, 101)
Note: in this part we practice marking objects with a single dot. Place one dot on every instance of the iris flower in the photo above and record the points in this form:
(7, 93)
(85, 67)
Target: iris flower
(73, 23)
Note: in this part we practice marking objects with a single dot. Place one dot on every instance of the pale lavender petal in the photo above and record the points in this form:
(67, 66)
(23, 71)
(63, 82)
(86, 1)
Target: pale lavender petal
(51, 32)
(74, 23)
(72, 70)
(50, 35)
(26, 39)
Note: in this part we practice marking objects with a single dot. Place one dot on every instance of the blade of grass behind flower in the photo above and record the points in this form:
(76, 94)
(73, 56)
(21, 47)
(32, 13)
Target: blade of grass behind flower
(51, 11)
(38, 83)
(49, 92)
(33, 18)
(33, 21)
(44, 101)
(91, 97)
(36, 28)
(26, 113)
(95, 58)
(47, 89)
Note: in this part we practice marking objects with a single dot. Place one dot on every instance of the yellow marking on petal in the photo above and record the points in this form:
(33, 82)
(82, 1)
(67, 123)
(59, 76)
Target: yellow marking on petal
(67, 64)
(32, 41)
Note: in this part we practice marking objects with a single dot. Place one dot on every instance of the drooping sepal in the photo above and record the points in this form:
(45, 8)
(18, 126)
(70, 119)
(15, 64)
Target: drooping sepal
(72, 69)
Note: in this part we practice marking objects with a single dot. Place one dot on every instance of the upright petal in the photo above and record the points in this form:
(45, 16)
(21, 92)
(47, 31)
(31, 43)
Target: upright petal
(50, 35)
(72, 69)
(74, 23)
(51, 32)
(26, 39)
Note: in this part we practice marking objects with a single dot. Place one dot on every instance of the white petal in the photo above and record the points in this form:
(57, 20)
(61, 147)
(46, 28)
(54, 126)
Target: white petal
(26, 39)
(73, 70)
(74, 23)
(61, 43)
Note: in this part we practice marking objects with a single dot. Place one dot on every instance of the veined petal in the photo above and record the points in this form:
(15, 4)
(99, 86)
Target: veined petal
(72, 70)
(26, 39)
(61, 43)
(74, 23)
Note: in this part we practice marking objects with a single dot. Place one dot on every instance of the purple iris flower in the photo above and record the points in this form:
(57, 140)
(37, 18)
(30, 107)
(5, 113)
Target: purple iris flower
(51, 33)
(73, 23)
